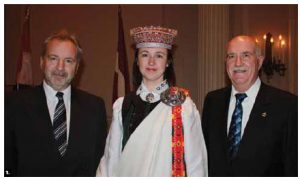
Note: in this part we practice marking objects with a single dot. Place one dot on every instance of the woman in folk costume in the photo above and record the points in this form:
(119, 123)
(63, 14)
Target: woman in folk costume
(156, 130)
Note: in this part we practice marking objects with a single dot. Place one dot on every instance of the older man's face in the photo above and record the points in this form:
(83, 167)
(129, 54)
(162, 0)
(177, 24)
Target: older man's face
(59, 64)
(242, 63)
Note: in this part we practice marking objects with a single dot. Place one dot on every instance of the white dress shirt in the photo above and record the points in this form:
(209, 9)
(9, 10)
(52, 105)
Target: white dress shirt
(52, 101)
(247, 104)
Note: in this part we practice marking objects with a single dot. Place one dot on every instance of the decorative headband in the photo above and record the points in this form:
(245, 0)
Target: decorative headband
(153, 37)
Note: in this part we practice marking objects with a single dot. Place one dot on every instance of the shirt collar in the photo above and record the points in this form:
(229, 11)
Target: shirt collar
(251, 92)
(143, 91)
(51, 93)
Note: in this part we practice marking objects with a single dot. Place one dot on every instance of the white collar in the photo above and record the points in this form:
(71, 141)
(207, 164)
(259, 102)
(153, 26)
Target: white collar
(51, 93)
(155, 94)
(251, 92)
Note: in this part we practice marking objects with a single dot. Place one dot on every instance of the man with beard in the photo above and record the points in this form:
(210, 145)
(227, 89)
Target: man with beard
(54, 129)
(250, 128)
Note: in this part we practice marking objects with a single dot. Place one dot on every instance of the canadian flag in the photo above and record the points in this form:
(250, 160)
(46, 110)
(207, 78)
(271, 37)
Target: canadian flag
(121, 85)
(24, 70)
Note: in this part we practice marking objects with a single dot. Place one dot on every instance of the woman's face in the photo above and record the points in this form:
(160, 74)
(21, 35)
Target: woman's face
(152, 63)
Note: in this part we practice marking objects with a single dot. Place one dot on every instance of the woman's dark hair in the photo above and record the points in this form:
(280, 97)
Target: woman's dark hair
(169, 74)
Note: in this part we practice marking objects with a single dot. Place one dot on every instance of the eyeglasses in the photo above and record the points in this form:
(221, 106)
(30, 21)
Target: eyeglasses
(244, 56)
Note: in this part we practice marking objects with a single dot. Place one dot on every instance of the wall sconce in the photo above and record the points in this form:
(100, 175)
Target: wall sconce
(274, 56)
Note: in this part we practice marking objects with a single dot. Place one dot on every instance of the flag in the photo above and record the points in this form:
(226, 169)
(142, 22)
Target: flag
(24, 70)
(121, 84)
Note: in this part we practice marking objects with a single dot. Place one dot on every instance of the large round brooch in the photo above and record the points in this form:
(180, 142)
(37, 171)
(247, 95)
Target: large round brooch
(173, 96)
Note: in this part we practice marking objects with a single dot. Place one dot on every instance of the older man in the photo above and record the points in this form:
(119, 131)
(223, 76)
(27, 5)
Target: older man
(250, 128)
(54, 129)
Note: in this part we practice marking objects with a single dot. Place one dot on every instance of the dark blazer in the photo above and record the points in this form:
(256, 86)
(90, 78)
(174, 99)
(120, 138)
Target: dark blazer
(29, 143)
(269, 146)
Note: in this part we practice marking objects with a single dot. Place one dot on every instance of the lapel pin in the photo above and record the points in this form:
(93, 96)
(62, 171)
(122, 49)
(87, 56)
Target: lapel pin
(264, 114)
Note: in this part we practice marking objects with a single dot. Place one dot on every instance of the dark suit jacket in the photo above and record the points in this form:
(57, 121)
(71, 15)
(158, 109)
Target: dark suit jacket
(269, 146)
(29, 143)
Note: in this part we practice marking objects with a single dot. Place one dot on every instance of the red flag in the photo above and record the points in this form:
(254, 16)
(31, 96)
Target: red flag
(24, 70)
(121, 84)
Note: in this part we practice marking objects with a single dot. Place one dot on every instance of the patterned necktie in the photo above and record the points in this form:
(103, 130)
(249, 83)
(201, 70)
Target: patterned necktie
(60, 125)
(234, 135)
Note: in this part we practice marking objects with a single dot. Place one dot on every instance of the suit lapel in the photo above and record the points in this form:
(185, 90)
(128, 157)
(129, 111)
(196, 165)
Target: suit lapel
(75, 125)
(42, 108)
(254, 130)
(225, 112)
(43, 120)
(225, 119)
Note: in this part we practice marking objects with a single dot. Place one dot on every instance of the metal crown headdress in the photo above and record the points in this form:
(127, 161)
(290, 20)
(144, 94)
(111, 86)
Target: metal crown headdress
(150, 36)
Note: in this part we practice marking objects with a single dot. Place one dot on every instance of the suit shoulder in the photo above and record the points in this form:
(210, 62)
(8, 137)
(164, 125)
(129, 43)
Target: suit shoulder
(218, 93)
(83, 95)
(24, 95)
(279, 94)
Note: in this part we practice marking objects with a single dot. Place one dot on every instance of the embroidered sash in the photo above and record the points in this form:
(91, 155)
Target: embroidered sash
(178, 162)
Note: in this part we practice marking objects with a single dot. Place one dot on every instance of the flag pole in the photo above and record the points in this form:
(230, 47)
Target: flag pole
(24, 69)
(121, 83)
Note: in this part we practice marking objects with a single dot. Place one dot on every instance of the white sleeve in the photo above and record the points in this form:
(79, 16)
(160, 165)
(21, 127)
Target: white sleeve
(113, 147)
(194, 144)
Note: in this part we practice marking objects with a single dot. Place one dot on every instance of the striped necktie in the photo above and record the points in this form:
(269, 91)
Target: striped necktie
(234, 135)
(60, 125)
